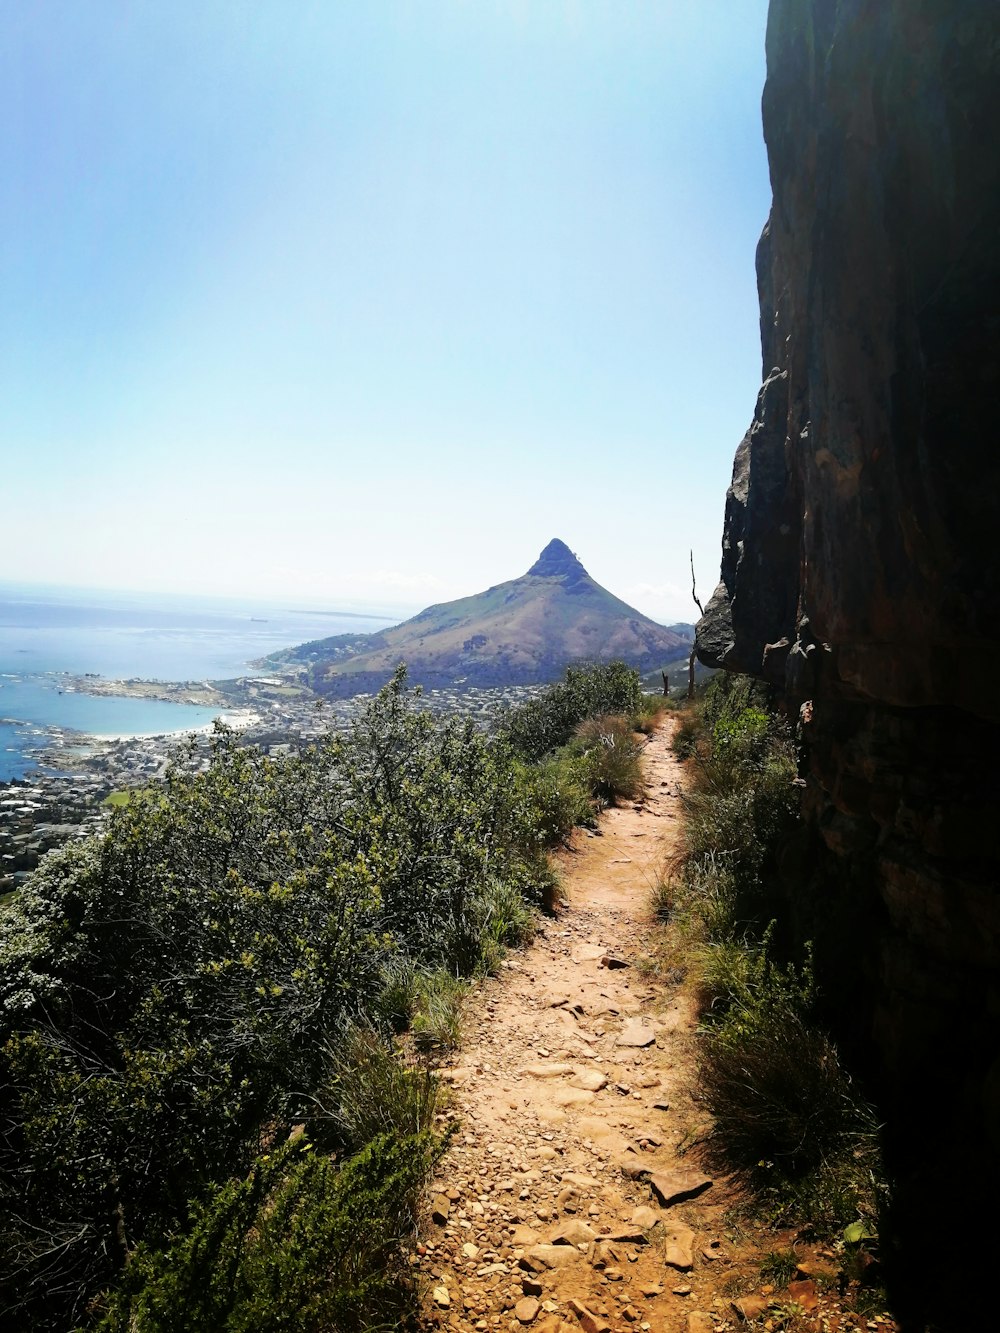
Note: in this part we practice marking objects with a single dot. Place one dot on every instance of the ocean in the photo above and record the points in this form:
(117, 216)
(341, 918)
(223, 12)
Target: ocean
(49, 633)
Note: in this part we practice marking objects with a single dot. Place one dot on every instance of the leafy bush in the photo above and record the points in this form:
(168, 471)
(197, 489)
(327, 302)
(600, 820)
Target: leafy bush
(162, 993)
(558, 789)
(740, 806)
(444, 808)
(506, 921)
(396, 1000)
(297, 1246)
(541, 725)
(165, 989)
(649, 711)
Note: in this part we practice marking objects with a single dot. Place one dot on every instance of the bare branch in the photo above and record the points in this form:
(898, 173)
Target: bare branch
(694, 592)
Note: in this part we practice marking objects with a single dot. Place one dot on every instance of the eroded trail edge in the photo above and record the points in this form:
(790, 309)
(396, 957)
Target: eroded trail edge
(566, 1202)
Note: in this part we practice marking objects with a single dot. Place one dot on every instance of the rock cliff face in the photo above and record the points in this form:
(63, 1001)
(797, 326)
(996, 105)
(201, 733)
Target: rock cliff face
(861, 567)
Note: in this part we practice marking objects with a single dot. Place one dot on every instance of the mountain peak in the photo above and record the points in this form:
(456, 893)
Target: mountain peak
(557, 561)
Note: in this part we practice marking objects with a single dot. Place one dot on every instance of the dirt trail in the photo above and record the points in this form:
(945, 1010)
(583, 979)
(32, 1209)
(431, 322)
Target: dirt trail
(572, 1087)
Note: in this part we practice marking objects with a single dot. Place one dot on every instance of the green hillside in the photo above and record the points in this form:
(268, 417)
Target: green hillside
(524, 631)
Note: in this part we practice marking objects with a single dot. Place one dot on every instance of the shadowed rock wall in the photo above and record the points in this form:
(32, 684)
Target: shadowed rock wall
(861, 566)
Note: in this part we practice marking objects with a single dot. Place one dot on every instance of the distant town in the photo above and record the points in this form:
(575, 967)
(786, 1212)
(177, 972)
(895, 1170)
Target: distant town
(81, 779)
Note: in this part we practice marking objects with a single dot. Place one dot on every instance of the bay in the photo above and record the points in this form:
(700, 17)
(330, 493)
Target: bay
(47, 633)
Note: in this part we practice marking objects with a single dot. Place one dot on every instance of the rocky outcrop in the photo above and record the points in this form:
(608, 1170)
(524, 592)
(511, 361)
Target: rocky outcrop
(861, 570)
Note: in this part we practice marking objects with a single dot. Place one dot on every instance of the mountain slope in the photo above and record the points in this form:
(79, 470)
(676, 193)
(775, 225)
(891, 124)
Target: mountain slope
(524, 631)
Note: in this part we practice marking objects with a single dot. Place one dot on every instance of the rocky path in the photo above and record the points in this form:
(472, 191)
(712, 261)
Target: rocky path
(566, 1201)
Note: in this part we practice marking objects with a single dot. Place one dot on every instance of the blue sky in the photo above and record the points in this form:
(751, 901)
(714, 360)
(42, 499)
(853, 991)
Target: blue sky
(361, 303)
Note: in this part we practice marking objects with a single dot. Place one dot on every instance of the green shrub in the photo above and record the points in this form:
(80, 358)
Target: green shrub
(505, 919)
(688, 732)
(779, 1267)
(558, 791)
(396, 1000)
(741, 804)
(541, 725)
(663, 898)
(165, 988)
(786, 1116)
(297, 1247)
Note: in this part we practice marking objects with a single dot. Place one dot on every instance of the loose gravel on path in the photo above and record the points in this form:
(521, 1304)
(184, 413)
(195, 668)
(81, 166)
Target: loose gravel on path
(566, 1203)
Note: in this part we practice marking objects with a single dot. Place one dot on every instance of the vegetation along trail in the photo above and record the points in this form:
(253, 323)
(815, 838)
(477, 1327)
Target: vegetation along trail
(571, 1197)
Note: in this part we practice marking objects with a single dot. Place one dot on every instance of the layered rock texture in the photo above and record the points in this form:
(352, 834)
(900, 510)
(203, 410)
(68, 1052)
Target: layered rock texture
(861, 569)
(522, 632)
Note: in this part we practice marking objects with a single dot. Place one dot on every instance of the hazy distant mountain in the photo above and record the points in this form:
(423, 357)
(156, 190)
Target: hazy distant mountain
(521, 632)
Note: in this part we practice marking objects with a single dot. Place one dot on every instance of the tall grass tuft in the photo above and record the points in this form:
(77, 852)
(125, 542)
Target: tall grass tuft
(370, 1089)
(787, 1117)
(612, 756)
(437, 1021)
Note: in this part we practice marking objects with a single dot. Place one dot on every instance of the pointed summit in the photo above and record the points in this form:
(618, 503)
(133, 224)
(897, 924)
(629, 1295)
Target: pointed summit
(557, 561)
(522, 632)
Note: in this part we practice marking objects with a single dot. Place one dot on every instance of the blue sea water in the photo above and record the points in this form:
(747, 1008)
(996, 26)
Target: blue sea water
(46, 634)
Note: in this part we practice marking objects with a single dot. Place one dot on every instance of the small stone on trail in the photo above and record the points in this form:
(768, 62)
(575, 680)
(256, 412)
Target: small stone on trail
(633, 1235)
(700, 1322)
(672, 1187)
(651, 1289)
(572, 1097)
(678, 1252)
(526, 1310)
(441, 1297)
(470, 1251)
(646, 1217)
(548, 1071)
(804, 1294)
(573, 1232)
(612, 962)
(588, 1079)
(524, 1236)
(440, 1209)
(681, 1291)
(590, 1323)
(541, 1257)
(579, 1179)
(749, 1308)
(636, 1034)
(531, 1286)
(587, 953)
(634, 1167)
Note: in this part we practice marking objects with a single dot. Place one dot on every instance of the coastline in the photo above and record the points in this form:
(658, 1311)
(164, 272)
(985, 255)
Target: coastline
(237, 719)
